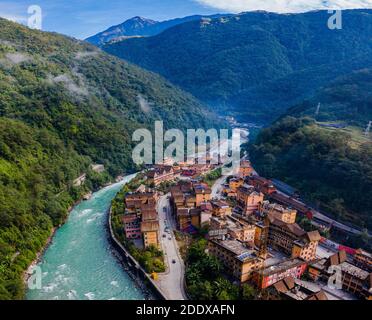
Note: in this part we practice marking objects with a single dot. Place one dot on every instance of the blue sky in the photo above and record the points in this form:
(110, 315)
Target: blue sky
(82, 18)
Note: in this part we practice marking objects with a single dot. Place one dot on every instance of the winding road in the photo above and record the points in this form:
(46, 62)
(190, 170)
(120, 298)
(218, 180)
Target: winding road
(172, 281)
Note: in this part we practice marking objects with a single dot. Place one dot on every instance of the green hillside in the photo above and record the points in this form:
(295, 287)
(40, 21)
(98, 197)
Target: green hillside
(64, 105)
(346, 99)
(254, 65)
(328, 158)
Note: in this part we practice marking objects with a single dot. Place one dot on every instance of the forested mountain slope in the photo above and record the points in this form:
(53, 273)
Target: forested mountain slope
(64, 105)
(325, 154)
(255, 64)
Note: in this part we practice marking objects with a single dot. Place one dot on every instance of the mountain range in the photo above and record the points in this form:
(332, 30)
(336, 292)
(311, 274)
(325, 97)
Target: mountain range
(139, 27)
(255, 65)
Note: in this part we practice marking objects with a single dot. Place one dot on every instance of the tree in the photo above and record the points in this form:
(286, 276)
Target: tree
(248, 292)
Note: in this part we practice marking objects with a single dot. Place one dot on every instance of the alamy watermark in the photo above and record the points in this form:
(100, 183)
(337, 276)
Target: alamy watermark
(335, 20)
(335, 280)
(35, 278)
(198, 146)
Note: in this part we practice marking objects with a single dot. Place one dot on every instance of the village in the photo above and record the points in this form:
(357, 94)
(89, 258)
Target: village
(252, 230)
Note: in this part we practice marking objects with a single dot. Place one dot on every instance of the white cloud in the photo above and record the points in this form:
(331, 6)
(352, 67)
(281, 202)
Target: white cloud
(285, 6)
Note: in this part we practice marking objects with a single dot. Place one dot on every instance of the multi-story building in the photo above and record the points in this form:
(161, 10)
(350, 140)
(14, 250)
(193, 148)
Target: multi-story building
(287, 215)
(235, 183)
(272, 274)
(160, 174)
(150, 229)
(249, 199)
(187, 217)
(202, 193)
(363, 259)
(245, 169)
(261, 184)
(186, 200)
(354, 279)
(290, 238)
(235, 229)
(239, 260)
(141, 217)
(220, 208)
(132, 226)
(150, 233)
(136, 200)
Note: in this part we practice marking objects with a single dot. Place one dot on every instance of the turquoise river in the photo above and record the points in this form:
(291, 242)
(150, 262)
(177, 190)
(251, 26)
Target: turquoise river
(79, 263)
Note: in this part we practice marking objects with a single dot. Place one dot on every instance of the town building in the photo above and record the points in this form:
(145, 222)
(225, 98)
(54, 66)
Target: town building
(220, 208)
(249, 199)
(234, 229)
(363, 259)
(287, 215)
(235, 183)
(289, 238)
(238, 259)
(150, 233)
(292, 289)
(135, 201)
(202, 193)
(261, 184)
(187, 198)
(354, 279)
(159, 174)
(150, 229)
(140, 217)
(270, 275)
(132, 226)
(245, 169)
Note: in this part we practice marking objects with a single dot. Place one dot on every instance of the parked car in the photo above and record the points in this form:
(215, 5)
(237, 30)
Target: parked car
(164, 235)
(170, 238)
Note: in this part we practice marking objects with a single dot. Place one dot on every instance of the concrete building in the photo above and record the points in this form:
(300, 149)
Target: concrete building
(159, 174)
(289, 268)
(363, 259)
(245, 169)
(221, 208)
(186, 200)
(239, 260)
(249, 199)
(354, 279)
(279, 212)
(261, 184)
(235, 229)
(290, 238)
(132, 226)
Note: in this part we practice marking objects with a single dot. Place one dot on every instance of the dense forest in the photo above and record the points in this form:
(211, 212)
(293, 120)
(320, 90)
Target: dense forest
(65, 105)
(327, 166)
(256, 64)
(346, 100)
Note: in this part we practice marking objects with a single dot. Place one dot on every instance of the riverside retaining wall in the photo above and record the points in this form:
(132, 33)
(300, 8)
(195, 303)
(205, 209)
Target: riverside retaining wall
(133, 264)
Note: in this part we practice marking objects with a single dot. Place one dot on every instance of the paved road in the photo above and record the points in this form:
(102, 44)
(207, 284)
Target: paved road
(171, 282)
(217, 187)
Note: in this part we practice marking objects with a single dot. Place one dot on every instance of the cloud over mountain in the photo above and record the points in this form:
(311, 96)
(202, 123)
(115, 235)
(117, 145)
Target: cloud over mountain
(285, 6)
